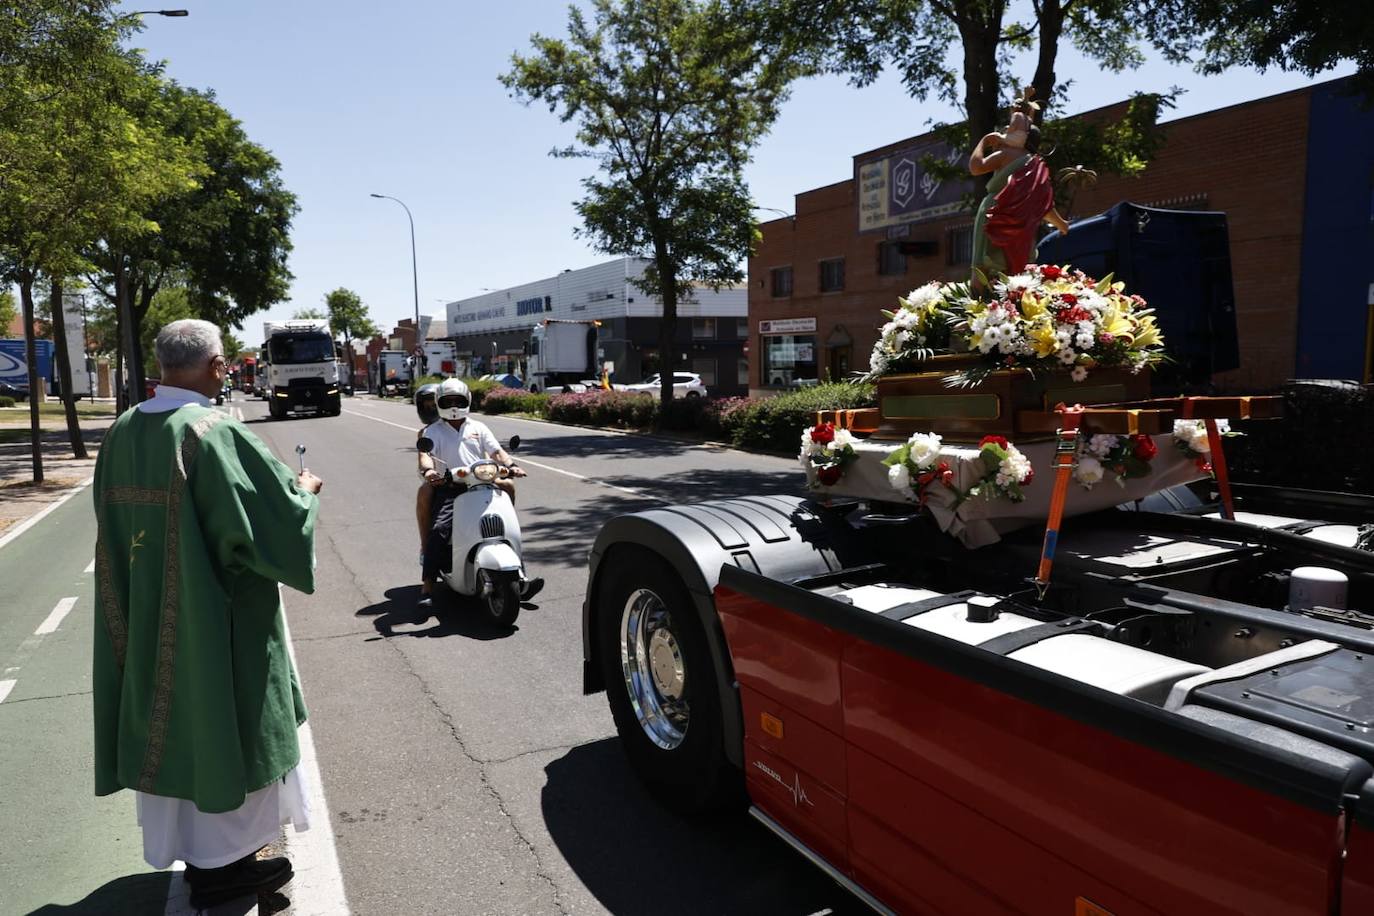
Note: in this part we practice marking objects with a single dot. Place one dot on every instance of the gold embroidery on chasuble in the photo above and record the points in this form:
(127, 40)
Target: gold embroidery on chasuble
(116, 621)
(167, 628)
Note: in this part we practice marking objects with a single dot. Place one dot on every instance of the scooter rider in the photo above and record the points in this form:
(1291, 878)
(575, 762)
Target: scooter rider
(459, 441)
(424, 497)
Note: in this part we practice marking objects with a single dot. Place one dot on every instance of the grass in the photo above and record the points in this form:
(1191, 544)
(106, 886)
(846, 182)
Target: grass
(55, 409)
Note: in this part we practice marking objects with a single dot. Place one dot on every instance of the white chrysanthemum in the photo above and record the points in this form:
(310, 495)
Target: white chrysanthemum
(877, 360)
(992, 335)
(843, 438)
(900, 338)
(1012, 469)
(1066, 356)
(1100, 444)
(1083, 341)
(1193, 433)
(978, 325)
(923, 296)
(1089, 471)
(1079, 373)
(925, 449)
(899, 477)
(1062, 338)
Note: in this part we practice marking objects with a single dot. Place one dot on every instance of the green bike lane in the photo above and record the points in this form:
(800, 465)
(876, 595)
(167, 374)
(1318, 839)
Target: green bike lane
(62, 850)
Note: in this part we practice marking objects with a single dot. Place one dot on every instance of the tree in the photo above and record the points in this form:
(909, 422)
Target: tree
(1308, 36)
(226, 240)
(309, 314)
(348, 317)
(8, 311)
(669, 97)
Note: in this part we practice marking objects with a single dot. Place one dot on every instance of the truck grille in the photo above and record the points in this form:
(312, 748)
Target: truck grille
(493, 526)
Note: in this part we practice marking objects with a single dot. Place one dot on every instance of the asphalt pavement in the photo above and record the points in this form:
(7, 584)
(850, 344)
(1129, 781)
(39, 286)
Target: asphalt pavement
(462, 768)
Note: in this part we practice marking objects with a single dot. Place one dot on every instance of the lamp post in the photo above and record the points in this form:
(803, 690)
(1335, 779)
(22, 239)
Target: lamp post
(414, 274)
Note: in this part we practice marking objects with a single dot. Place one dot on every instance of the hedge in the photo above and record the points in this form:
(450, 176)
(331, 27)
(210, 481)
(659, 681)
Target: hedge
(6, 402)
(1323, 441)
(513, 400)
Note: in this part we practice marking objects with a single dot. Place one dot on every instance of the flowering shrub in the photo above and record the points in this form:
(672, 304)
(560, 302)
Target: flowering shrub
(1127, 457)
(624, 409)
(828, 450)
(1046, 317)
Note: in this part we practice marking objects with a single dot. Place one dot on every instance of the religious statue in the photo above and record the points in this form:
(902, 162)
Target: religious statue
(1020, 196)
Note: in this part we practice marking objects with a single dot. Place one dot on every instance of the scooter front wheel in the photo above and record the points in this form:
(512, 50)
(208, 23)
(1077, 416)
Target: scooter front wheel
(500, 596)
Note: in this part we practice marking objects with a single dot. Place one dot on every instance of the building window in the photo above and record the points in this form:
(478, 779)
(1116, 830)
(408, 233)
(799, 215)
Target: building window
(743, 370)
(782, 282)
(789, 359)
(960, 245)
(703, 329)
(742, 328)
(832, 275)
(891, 261)
(706, 368)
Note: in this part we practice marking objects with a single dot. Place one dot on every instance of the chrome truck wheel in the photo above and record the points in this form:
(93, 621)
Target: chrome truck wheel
(661, 683)
(654, 671)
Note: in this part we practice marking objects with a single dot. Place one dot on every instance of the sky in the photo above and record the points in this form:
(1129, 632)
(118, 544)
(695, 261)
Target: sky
(403, 99)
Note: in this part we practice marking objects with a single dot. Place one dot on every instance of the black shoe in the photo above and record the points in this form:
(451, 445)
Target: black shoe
(532, 588)
(248, 876)
(426, 601)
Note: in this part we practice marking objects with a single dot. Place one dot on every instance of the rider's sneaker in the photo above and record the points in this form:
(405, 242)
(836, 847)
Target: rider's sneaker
(532, 587)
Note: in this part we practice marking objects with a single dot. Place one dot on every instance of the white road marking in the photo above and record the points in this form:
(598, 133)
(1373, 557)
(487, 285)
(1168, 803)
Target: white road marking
(5, 688)
(318, 885)
(547, 467)
(54, 620)
(90, 567)
(26, 525)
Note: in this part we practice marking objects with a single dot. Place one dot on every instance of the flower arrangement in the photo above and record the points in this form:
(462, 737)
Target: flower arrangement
(828, 450)
(918, 464)
(1190, 438)
(1046, 317)
(1126, 457)
(1007, 471)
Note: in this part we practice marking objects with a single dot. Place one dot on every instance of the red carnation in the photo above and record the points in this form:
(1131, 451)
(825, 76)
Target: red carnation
(1145, 448)
(829, 475)
(993, 440)
(946, 474)
(1030, 477)
(1050, 272)
(1068, 298)
(823, 434)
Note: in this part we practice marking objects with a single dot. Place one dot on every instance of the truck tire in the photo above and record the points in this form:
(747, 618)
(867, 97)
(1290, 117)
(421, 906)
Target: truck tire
(274, 407)
(661, 685)
(335, 406)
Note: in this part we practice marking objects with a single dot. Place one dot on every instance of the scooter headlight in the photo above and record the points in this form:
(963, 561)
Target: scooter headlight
(485, 472)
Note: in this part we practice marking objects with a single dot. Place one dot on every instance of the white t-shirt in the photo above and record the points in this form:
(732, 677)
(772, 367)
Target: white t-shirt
(460, 447)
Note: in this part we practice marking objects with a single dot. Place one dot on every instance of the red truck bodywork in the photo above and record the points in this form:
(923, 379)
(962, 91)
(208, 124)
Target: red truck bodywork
(940, 782)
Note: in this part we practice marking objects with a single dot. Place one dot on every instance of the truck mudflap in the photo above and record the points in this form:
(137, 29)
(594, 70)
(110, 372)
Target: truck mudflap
(943, 777)
(783, 537)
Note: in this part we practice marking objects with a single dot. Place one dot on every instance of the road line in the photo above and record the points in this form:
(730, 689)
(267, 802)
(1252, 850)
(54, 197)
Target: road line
(54, 620)
(318, 886)
(90, 567)
(547, 467)
(26, 525)
(5, 688)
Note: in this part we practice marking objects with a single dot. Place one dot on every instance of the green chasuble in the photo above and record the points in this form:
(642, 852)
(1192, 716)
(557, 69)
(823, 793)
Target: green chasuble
(194, 692)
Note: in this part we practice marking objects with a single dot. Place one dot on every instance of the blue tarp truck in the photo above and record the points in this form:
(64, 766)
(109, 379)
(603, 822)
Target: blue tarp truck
(14, 366)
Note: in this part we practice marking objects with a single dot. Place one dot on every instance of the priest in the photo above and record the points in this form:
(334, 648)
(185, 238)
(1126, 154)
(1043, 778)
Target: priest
(196, 700)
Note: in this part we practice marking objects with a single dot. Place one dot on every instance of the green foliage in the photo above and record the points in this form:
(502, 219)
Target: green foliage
(1320, 419)
(514, 400)
(1308, 37)
(669, 97)
(309, 313)
(776, 424)
(9, 311)
(6, 402)
(348, 316)
(478, 388)
(172, 303)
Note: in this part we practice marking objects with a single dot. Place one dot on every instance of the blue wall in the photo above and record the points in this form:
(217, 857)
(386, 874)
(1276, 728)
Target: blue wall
(1337, 237)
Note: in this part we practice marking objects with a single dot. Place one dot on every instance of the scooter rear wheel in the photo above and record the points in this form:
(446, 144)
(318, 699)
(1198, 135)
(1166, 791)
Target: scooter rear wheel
(501, 597)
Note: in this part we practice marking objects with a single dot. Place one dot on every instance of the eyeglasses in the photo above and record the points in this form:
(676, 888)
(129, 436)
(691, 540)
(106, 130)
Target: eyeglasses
(453, 400)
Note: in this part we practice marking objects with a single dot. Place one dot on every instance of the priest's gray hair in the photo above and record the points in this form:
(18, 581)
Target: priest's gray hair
(187, 344)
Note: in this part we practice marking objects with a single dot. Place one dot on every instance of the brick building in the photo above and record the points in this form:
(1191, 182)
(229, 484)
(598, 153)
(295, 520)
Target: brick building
(1301, 231)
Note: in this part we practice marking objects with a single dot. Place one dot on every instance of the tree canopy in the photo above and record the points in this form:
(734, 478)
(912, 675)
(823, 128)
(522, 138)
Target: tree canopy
(669, 98)
(348, 316)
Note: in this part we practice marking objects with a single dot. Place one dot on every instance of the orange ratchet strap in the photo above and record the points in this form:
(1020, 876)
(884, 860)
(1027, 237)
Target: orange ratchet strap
(1065, 460)
(1228, 505)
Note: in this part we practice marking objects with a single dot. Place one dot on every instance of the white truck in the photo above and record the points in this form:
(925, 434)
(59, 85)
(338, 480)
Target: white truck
(298, 370)
(562, 355)
(394, 373)
(441, 358)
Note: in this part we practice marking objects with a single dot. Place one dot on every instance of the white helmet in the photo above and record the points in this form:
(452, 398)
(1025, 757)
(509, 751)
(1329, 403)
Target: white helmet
(453, 399)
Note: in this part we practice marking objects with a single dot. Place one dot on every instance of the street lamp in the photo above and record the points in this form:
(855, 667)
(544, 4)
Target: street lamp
(414, 275)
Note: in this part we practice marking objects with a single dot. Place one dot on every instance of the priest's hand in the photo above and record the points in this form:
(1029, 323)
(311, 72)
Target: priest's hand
(309, 482)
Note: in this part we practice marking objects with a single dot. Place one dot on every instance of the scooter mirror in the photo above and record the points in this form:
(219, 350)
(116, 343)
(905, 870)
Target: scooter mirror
(514, 444)
(425, 444)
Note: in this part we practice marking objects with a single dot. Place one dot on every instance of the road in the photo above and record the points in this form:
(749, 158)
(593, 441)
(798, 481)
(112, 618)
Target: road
(462, 768)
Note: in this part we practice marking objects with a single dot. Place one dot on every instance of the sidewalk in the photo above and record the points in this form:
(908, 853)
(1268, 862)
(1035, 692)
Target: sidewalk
(20, 498)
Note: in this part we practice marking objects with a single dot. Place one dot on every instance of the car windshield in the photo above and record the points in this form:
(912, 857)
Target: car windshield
(312, 348)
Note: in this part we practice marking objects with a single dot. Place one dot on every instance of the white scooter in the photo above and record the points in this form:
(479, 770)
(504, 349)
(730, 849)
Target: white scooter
(486, 559)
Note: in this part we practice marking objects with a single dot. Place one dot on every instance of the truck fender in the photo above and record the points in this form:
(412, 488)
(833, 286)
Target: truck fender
(783, 537)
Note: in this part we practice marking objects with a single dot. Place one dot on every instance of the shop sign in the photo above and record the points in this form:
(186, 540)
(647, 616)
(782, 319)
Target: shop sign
(788, 326)
(897, 188)
(483, 315)
(534, 306)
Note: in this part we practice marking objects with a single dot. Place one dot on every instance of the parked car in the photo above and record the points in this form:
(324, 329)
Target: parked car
(13, 391)
(685, 384)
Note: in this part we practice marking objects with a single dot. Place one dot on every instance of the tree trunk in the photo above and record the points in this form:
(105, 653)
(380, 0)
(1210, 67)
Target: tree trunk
(667, 328)
(128, 336)
(35, 383)
(64, 370)
(139, 310)
(1051, 28)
